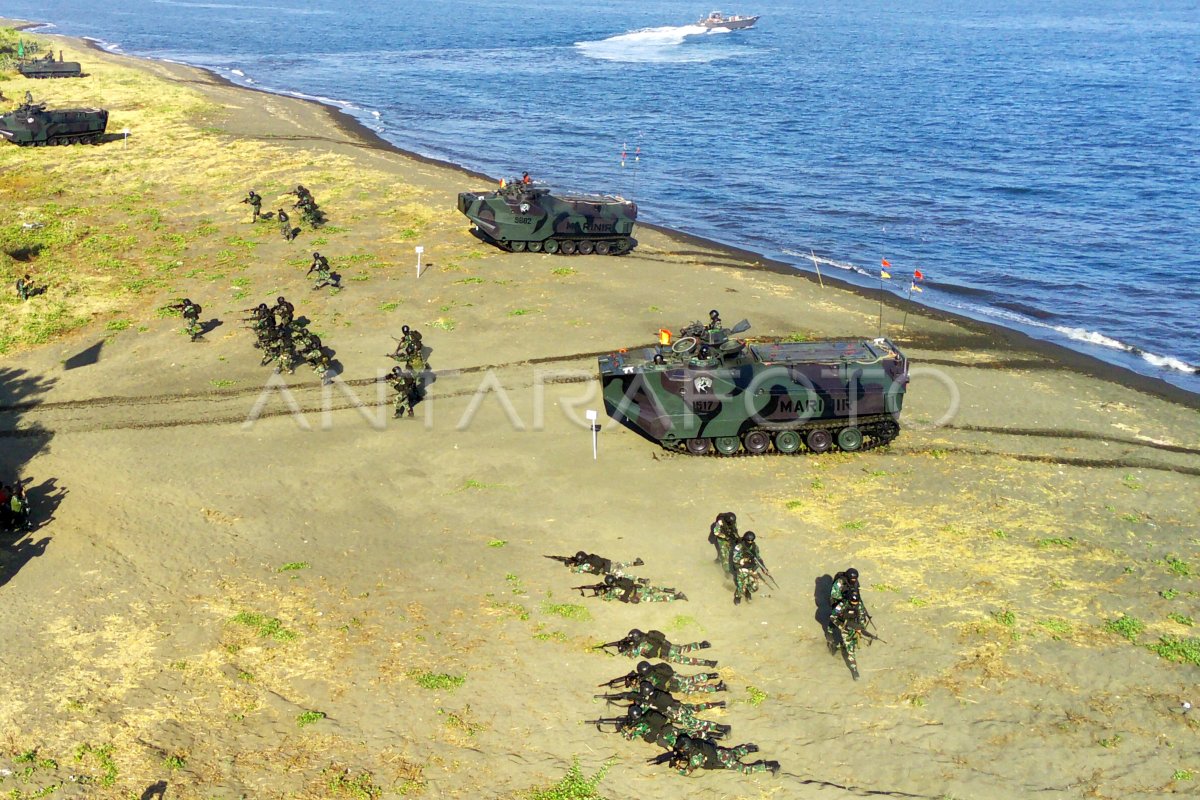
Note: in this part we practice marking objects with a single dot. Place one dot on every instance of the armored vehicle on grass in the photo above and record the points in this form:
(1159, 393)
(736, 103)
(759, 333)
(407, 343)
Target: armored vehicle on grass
(710, 393)
(33, 124)
(522, 216)
(49, 68)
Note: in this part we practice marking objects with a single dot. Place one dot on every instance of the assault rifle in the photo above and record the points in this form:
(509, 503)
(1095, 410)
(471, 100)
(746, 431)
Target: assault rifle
(618, 721)
(611, 698)
(766, 573)
(628, 679)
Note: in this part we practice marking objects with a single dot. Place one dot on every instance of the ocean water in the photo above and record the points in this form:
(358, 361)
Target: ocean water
(1038, 161)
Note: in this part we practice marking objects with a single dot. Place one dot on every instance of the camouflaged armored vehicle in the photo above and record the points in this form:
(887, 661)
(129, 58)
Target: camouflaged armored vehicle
(32, 124)
(522, 216)
(49, 68)
(710, 393)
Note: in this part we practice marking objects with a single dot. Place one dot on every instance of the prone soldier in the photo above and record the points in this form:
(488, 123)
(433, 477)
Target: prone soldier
(594, 564)
(663, 676)
(630, 590)
(691, 753)
(654, 644)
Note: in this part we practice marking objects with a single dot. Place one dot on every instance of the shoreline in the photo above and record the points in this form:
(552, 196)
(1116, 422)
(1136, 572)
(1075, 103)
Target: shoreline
(1074, 360)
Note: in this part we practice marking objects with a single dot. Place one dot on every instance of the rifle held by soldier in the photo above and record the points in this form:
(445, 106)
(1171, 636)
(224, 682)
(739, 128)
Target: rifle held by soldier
(625, 680)
(595, 588)
(606, 721)
(612, 698)
(766, 573)
(563, 559)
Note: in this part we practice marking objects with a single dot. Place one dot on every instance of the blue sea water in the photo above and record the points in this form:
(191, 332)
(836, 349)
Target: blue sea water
(1037, 160)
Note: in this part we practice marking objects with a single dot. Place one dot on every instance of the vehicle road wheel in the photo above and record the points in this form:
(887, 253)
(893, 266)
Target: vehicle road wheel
(586, 248)
(888, 430)
(819, 441)
(727, 445)
(699, 447)
(535, 247)
(850, 439)
(517, 247)
(568, 248)
(603, 248)
(757, 442)
(787, 441)
(550, 246)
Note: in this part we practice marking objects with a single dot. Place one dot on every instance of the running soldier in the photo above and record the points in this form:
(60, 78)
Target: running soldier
(722, 535)
(191, 315)
(842, 583)
(850, 619)
(285, 225)
(325, 276)
(406, 386)
(744, 563)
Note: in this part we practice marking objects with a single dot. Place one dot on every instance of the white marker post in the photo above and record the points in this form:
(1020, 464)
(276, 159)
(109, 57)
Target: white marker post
(591, 418)
(420, 250)
(126, 132)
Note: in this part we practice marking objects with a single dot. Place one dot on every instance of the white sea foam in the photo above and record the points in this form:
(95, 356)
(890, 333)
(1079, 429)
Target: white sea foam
(238, 72)
(1170, 363)
(1092, 337)
(654, 45)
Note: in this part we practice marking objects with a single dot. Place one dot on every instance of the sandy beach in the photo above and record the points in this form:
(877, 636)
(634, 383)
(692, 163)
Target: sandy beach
(246, 587)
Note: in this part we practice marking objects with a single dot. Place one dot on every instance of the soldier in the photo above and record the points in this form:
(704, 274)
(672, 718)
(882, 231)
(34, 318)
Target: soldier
(285, 225)
(691, 753)
(405, 385)
(319, 262)
(282, 312)
(649, 726)
(301, 195)
(744, 563)
(628, 590)
(681, 714)
(654, 644)
(596, 565)
(664, 676)
(24, 288)
(850, 619)
(842, 582)
(255, 200)
(722, 534)
(714, 320)
(316, 358)
(262, 322)
(325, 276)
(191, 314)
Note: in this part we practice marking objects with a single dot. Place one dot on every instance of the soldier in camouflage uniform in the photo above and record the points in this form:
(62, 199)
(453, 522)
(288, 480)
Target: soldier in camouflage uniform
(663, 676)
(405, 385)
(285, 225)
(593, 564)
(691, 753)
(654, 644)
(630, 590)
(325, 275)
(191, 315)
(842, 583)
(649, 726)
(255, 200)
(744, 563)
(282, 312)
(850, 619)
(410, 350)
(722, 534)
(682, 715)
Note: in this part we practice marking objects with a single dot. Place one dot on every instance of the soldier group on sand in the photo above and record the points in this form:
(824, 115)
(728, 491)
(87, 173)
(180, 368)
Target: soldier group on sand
(616, 584)
(738, 556)
(286, 340)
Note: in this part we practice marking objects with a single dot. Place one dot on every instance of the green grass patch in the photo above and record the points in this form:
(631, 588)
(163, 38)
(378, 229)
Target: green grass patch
(573, 785)
(797, 336)
(497, 542)
(267, 627)
(388, 306)
(1182, 775)
(1057, 628)
(514, 584)
(437, 680)
(1131, 482)
(443, 323)
(1179, 650)
(1181, 619)
(117, 325)
(1056, 542)
(103, 757)
(470, 280)
(520, 312)
(564, 271)
(294, 565)
(360, 787)
(222, 383)
(1126, 626)
(473, 484)
(792, 505)
(855, 525)
(757, 696)
(1006, 618)
(309, 717)
(572, 611)
(174, 762)
(1177, 566)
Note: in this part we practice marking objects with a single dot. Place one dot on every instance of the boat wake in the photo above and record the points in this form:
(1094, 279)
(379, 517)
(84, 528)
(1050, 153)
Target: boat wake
(657, 45)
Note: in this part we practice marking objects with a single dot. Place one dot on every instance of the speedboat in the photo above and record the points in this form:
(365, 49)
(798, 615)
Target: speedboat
(734, 22)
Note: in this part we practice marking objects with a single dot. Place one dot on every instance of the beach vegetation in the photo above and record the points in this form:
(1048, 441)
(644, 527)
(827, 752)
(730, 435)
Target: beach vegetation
(471, 280)
(917, 602)
(1181, 619)
(1056, 627)
(1179, 650)
(1182, 775)
(817, 483)
(514, 583)
(563, 271)
(854, 525)
(222, 383)
(443, 681)
(359, 787)
(459, 720)
(997, 533)
(497, 542)
(574, 785)
(103, 757)
(515, 609)
(1131, 482)
(1168, 594)
(1111, 741)
(309, 717)
(264, 626)
(545, 636)
(520, 312)
(756, 696)
(1056, 541)
(443, 323)
(792, 505)
(390, 306)
(117, 325)
(937, 453)
(294, 565)
(1128, 627)
(681, 621)
(572, 611)
(1177, 566)
(798, 336)
(174, 762)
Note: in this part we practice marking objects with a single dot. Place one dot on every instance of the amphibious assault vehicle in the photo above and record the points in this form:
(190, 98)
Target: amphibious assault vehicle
(521, 216)
(49, 68)
(710, 393)
(32, 124)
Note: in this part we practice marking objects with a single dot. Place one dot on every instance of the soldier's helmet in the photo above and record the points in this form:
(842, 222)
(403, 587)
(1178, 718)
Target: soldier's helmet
(749, 537)
(610, 580)
(852, 596)
(634, 633)
(404, 329)
(300, 189)
(643, 667)
(635, 713)
(581, 555)
(645, 688)
(397, 371)
(316, 254)
(852, 575)
(714, 314)
(281, 300)
(731, 517)
(262, 307)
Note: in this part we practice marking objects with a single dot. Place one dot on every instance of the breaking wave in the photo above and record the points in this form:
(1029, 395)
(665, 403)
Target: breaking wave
(1092, 337)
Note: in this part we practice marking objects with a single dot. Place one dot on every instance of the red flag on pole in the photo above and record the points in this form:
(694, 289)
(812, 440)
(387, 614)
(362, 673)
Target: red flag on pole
(885, 262)
(918, 274)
